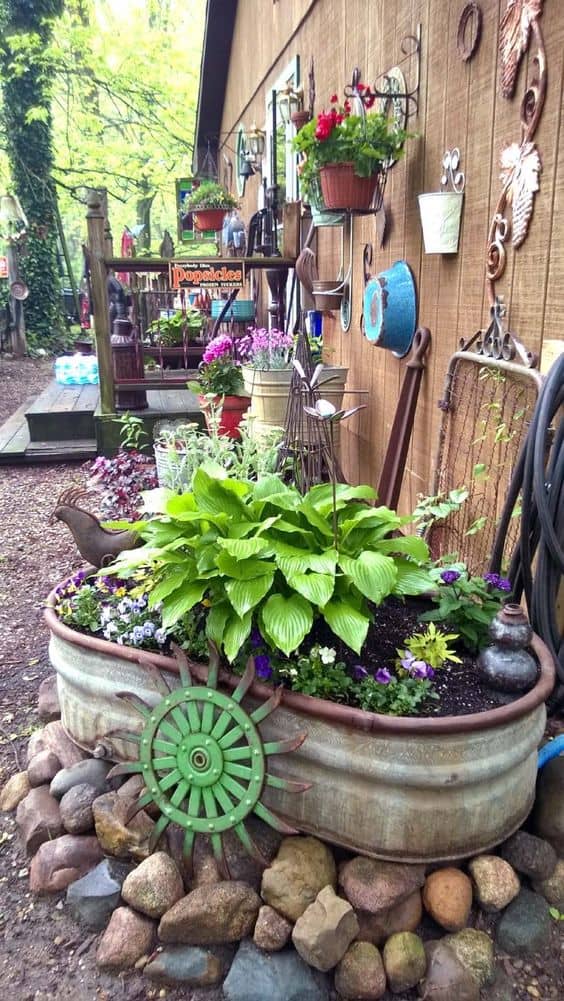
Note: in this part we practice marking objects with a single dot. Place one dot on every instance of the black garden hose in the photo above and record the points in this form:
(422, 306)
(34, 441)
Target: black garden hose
(539, 479)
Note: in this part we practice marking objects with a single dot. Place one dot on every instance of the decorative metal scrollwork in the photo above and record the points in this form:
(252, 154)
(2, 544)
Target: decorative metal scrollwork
(498, 343)
(469, 31)
(203, 761)
(451, 174)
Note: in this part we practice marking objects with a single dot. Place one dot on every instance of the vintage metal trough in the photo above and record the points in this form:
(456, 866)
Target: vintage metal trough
(410, 789)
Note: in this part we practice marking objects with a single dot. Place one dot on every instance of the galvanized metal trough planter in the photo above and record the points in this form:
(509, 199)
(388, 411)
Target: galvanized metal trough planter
(405, 789)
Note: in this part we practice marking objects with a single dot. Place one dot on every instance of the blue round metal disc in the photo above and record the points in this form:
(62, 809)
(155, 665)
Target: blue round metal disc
(390, 309)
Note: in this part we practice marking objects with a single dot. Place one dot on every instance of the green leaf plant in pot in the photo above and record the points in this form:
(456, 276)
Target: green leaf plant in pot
(346, 154)
(169, 331)
(220, 385)
(209, 202)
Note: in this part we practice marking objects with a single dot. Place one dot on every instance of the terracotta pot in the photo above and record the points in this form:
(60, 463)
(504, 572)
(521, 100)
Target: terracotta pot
(343, 189)
(408, 789)
(299, 118)
(232, 410)
(209, 219)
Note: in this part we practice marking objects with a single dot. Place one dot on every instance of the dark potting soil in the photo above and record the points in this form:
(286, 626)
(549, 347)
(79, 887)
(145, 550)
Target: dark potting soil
(458, 686)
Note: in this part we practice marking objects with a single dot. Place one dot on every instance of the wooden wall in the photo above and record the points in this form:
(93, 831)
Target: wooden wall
(459, 105)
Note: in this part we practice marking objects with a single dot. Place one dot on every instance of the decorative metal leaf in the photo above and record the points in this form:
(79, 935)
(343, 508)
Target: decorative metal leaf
(520, 169)
(514, 38)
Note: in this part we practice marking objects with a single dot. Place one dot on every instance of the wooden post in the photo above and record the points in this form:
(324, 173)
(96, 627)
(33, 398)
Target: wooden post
(19, 343)
(100, 303)
(108, 238)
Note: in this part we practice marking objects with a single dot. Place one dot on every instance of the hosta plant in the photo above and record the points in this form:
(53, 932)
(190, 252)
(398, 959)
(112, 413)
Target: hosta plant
(261, 554)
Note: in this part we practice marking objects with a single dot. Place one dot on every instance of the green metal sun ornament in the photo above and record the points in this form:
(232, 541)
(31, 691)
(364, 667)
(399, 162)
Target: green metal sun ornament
(203, 761)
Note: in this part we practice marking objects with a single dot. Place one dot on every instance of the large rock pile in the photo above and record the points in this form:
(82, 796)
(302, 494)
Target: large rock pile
(295, 930)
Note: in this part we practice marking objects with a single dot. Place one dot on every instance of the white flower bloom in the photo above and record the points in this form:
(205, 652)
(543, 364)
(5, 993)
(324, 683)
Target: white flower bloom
(327, 654)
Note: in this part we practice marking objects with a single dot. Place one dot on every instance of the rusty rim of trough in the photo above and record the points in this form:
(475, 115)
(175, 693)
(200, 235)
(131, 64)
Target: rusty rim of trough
(332, 712)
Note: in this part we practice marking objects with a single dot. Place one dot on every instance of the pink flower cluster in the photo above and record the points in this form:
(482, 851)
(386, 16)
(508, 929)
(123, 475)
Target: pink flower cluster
(269, 340)
(220, 346)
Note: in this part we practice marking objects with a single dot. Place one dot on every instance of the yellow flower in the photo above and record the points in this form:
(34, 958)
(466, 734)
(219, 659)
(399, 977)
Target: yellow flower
(120, 592)
(206, 603)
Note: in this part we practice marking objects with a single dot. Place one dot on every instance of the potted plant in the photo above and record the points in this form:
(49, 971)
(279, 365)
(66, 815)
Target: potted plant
(209, 202)
(220, 385)
(348, 153)
(175, 336)
(307, 584)
(267, 374)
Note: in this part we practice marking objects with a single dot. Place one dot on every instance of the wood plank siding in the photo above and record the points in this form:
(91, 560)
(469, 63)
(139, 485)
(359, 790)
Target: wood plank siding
(460, 104)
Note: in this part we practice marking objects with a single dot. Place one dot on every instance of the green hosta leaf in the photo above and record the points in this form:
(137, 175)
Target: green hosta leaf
(411, 579)
(316, 587)
(220, 497)
(180, 504)
(235, 633)
(161, 532)
(409, 545)
(373, 574)
(380, 520)
(174, 578)
(271, 486)
(181, 601)
(315, 520)
(245, 595)
(287, 620)
(241, 549)
(321, 496)
(156, 501)
(215, 622)
(347, 623)
(243, 569)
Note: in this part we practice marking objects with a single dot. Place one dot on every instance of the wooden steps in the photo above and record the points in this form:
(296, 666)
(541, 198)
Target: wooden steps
(63, 413)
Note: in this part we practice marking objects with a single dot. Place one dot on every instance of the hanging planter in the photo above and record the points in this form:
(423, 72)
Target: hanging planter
(327, 294)
(207, 219)
(390, 309)
(342, 188)
(441, 211)
(209, 203)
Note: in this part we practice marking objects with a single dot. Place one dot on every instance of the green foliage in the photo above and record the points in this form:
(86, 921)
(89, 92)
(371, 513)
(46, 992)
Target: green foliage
(555, 914)
(321, 676)
(132, 431)
(436, 508)
(169, 330)
(263, 554)
(399, 697)
(220, 377)
(209, 195)
(467, 605)
(432, 646)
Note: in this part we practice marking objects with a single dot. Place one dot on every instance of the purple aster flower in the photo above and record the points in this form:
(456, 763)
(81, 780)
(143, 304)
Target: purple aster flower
(256, 639)
(500, 583)
(359, 672)
(160, 636)
(262, 667)
(383, 676)
(450, 576)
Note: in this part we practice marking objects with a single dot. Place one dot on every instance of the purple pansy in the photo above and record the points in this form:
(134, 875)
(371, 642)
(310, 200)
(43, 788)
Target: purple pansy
(383, 676)
(450, 576)
(359, 672)
(256, 639)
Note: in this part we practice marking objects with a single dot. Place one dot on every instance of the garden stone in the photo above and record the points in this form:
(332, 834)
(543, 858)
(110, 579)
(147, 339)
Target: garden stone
(377, 886)
(525, 925)
(48, 708)
(186, 965)
(323, 933)
(76, 808)
(154, 885)
(281, 976)
(54, 738)
(446, 978)
(15, 789)
(532, 856)
(243, 866)
(496, 883)
(92, 899)
(59, 863)
(475, 950)
(360, 975)
(91, 771)
(116, 837)
(302, 867)
(206, 871)
(211, 915)
(38, 818)
(43, 768)
(501, 988)
(552, 889)
(548, 816)
(272, 930)
(405, 916)
(447, 897)
(405, 961)
(128, 937)
(35, 744)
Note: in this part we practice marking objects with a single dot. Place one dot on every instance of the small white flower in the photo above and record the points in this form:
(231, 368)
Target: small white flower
(327, 654)
(293, 672)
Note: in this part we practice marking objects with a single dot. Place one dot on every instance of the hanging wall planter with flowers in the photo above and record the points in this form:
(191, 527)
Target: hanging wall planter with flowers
(347, 151)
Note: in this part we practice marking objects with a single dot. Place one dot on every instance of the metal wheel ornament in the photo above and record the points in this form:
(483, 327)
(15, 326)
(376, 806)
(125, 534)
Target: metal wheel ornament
(203, 761)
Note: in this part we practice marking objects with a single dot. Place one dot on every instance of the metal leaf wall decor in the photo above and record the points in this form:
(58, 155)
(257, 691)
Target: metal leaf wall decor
(515, 29)
(520, 161)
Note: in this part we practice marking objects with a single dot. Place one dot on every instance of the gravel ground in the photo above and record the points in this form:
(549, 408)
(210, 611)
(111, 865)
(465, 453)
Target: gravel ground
(43, 954)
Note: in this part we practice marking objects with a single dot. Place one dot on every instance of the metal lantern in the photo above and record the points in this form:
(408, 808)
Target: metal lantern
(256, 142)
(290, 100)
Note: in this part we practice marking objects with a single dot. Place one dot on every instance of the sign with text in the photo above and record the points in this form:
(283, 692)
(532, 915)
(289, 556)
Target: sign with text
(3, 267)
(219, 273)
